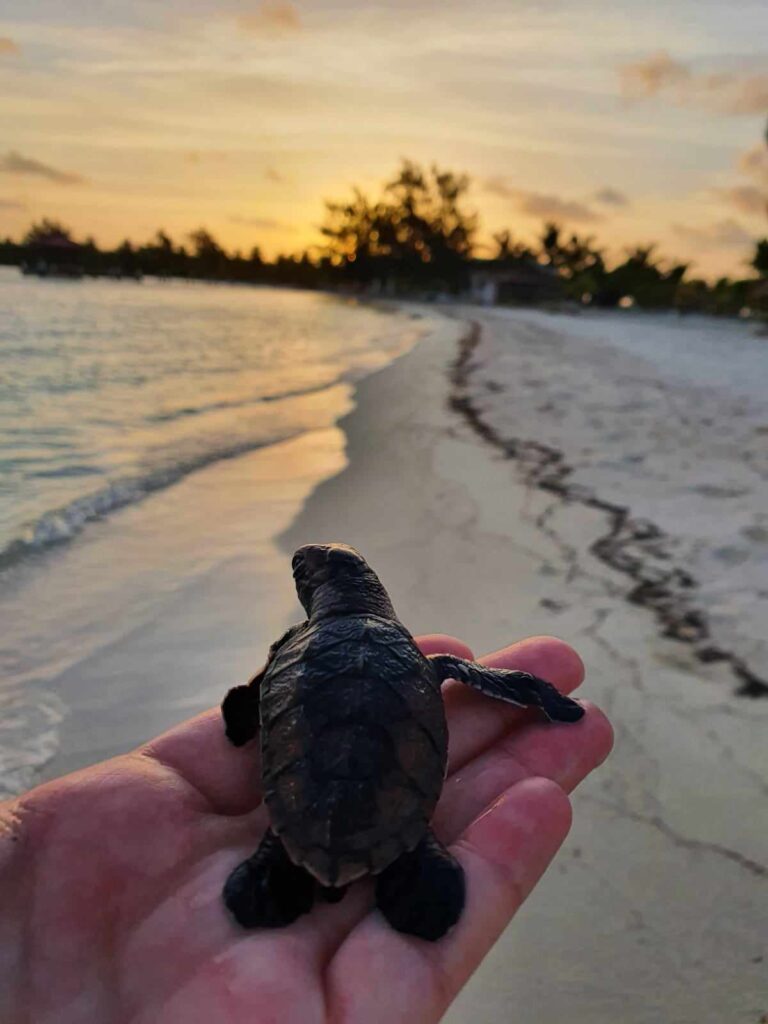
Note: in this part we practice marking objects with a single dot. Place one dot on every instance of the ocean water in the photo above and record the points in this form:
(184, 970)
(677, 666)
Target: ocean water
(112, 390)
(116, 398)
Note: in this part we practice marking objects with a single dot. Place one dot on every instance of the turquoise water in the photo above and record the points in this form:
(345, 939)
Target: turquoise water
(112, 390)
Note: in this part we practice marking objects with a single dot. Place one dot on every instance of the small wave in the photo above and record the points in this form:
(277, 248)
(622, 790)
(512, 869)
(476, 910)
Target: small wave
(29, 737)
(198, 410)
(62, 524)
(63, 472)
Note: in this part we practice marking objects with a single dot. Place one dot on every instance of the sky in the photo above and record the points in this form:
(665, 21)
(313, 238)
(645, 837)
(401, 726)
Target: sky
(626, 121)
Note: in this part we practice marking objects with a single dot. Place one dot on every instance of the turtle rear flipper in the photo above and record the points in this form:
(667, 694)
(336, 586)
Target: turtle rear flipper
(514, 687)
(422, 892)
(329, 894)
(268, 890)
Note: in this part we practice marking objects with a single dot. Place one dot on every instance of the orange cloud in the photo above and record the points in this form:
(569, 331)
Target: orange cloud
(274, 17)
(8, 48)
(15, 163)
(754, 163)
(263, 223)
(745, 198)
(540, 204)
(746, 95)
(722, 92)
(648, 77)
(725, 234)
(611, 197)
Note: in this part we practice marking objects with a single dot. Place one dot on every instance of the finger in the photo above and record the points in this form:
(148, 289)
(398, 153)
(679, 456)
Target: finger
(442, 643)
(476, 721)
(563, 753)
(199, 752)
(229, 777)
(504, 853)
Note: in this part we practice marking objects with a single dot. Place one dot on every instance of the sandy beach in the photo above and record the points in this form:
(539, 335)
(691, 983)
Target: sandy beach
(655, 909)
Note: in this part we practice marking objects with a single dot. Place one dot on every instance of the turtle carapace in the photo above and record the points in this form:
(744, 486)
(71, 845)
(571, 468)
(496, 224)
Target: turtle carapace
(354, 748)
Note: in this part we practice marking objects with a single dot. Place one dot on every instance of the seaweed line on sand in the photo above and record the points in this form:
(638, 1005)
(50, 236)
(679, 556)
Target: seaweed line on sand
(668, 592)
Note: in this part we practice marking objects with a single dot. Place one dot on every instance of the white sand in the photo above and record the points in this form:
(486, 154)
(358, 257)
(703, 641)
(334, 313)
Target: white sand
(655, 910)
(664, 415)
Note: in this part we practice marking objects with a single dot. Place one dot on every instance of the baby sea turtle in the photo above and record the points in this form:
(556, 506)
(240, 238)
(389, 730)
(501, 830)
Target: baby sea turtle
(354, 748)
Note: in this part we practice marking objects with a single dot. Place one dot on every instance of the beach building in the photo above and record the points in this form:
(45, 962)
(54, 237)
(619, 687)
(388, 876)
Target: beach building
(54, 255)
(513, 282)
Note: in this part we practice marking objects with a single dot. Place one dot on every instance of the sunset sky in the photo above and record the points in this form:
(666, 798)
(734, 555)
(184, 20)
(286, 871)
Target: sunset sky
(633, 122)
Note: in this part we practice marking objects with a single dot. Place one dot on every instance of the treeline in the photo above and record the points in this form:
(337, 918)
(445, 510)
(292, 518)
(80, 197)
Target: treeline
(50, 244)
(647, 280)
(417, 237)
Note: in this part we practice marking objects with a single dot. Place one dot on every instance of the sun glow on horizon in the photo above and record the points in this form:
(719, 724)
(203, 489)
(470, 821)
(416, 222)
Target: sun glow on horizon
(244, 117)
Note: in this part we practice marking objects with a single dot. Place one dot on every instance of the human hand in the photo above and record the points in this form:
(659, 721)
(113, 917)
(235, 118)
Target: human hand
(111, 878)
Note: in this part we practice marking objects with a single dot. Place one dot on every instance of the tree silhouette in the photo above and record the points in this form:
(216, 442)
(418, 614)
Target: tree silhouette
(578, 261)
(416, 232)
(508, 250)
(760, 260)
(47, 230)
(643, 278)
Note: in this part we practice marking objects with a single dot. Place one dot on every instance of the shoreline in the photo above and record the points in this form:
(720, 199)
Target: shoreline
(669, 594)
(202, 625)
(94, 609)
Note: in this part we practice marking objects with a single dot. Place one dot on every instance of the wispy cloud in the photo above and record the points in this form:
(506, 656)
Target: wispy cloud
(724, 234)
(745, 198)
(611, 197)
(747, 94)
(541, 204)
(275, 176)
(273, 17)
(12, 204)
(754, 163)
(200, 156)
(262, 223)
(15, 163)
(650, 76)
(8, 48)
(734, 92)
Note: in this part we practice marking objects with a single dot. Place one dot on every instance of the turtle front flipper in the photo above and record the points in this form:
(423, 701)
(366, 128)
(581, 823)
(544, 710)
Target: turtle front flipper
(240, 711)
(422, 892)
(240, 707)
(268, 890)
(520, 688)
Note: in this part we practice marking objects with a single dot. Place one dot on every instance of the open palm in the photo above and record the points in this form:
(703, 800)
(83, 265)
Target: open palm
(110, 878)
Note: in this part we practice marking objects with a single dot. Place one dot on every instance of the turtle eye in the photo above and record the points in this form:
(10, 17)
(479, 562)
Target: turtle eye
(297, 560)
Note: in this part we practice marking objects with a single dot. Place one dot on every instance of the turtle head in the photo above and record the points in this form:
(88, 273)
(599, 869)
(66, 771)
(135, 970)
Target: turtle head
(334, 579)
